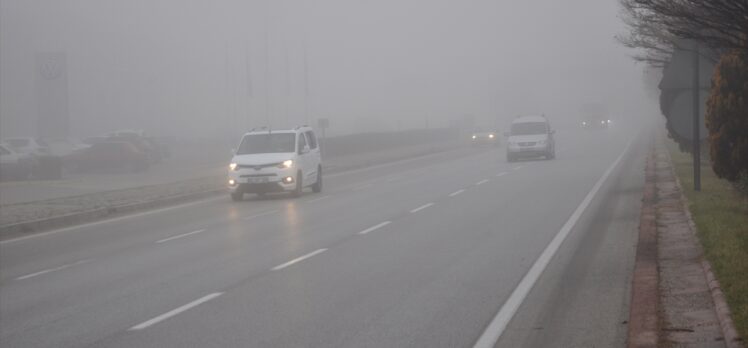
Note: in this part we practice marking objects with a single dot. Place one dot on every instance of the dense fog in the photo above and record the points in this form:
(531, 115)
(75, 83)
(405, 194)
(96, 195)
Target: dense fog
(209, 69)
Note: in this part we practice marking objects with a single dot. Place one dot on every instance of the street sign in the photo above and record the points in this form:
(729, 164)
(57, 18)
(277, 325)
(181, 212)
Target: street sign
(681, 115)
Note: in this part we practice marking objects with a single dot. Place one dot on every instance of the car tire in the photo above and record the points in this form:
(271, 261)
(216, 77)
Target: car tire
(237, 196)
(299, 185)
(317, 187)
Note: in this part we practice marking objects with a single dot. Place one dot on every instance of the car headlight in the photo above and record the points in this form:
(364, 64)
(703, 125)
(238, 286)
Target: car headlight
(474, 136)
(584, 123)
(286, 164)
(233, 166)
(491, 136)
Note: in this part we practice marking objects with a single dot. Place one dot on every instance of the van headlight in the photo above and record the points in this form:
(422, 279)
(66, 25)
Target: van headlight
(286, 164)
(233, 166)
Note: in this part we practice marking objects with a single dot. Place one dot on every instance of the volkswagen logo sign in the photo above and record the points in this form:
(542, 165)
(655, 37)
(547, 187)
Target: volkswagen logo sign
(50, 68)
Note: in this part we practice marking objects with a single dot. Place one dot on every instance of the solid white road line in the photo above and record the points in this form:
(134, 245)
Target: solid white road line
(421, 207)
(497, 326)
(298, 259)
(318, 199)
(517, 168)
(481, 182)
(175, 311)
(501, 174)
(250, 217)
(375, 227)
(32, 275)
(96, 223)
(456, 193)
(179, 236)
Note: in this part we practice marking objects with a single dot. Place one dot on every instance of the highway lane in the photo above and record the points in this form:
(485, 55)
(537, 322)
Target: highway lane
(447, 237)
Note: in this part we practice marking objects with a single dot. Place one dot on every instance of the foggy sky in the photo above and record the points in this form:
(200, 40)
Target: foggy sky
(202, 68)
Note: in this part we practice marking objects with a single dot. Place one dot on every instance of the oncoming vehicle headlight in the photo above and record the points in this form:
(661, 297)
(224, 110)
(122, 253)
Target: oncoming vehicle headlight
(584, 123)
(474, 136)
(286, 164)
(233, 166)
(491, 136)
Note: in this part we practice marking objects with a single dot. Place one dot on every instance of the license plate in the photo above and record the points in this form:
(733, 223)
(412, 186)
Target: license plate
(258, 180)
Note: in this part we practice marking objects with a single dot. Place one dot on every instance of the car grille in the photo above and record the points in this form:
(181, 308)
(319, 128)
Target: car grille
(257, 166)
(257, 175)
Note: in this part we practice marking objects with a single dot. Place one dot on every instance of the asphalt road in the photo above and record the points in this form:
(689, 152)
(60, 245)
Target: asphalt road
(426, 252)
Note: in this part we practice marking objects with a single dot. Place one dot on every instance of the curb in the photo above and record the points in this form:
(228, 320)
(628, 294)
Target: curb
(643, 321)
(34, 226)
(730, 334)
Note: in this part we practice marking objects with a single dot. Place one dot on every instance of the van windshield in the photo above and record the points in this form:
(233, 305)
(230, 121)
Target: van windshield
(266, 143)
(529, 128)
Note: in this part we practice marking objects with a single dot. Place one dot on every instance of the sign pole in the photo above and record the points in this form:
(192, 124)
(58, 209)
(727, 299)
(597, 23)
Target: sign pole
(696, 125)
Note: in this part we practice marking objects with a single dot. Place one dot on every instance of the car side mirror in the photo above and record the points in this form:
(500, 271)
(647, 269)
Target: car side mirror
(233, 151)
(304, 150)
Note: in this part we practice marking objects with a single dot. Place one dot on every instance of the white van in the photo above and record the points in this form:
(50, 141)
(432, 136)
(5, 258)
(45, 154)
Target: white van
(276, 161)
(530, 136)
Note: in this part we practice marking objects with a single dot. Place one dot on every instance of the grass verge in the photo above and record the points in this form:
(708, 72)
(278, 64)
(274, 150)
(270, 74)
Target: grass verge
(721, 218)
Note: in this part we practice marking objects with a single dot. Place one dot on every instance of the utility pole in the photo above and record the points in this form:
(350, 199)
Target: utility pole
(696, 124)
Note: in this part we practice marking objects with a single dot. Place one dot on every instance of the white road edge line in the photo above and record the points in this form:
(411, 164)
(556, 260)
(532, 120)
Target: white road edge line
(298, 259)
(250, 217)
(456, 193)
(517, 168)
(481, 182)
(501, 174)
(421, 207)
(180, 236)
(175, 311)
(318, 199)
(496, 328)
(375, 227)
(50, 270)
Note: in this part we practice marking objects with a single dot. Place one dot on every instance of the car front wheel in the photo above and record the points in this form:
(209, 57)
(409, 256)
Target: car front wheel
(317, 187)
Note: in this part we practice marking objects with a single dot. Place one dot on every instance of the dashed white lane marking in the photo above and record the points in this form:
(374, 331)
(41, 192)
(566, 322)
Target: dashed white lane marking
(250, 217)
(497, 326)
(481, 182)
(517, 168)
(298, 259)
(180, 236)
(318, 199)
(175, 311)
(361, 187)
(50, 270)
(421, 207)
(456, 193)
(501, 174)
(375, 227)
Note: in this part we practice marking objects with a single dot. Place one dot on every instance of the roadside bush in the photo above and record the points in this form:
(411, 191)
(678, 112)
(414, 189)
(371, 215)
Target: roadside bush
(727, 117)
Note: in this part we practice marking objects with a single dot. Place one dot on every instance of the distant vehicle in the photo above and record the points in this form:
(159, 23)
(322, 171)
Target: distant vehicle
(530, 136)
(13, 164)
(28, 145)
(141, 143)
(595, 122)
(276, 161)
(111, 155)
(484, 138)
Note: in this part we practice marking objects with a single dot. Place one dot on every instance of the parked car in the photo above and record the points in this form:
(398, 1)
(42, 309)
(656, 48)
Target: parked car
(276, 161)
(28, 145)
(13, 164)
(111, 155)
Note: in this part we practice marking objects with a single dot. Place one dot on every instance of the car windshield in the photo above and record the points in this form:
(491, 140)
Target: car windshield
(529, 128)
(266, 143)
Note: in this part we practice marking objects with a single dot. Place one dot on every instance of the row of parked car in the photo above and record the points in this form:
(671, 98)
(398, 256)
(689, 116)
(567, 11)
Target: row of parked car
(21, 158)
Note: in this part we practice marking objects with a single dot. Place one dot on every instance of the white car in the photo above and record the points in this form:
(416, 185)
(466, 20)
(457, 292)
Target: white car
(276, 161)
(530, 136)
(14, 165)
(29, 146)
